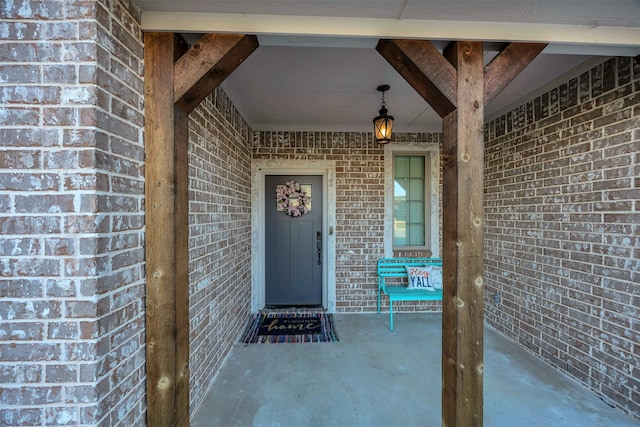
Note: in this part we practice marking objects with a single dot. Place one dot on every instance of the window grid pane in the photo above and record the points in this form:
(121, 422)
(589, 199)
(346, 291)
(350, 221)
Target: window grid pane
(409, 201)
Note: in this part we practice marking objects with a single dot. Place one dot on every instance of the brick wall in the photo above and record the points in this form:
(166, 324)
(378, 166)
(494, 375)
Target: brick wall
(219, 236)
(120, 167)
(562, 209)
(359, 205)
(561, 203)
(71, 300)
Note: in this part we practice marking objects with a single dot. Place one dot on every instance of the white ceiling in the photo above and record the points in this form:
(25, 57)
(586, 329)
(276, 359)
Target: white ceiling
(317, 68)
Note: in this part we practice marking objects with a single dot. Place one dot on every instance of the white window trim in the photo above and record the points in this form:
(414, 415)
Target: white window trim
(433, 152)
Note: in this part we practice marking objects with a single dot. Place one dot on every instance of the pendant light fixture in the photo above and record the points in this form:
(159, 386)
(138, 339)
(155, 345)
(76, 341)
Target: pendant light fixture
(383, 123)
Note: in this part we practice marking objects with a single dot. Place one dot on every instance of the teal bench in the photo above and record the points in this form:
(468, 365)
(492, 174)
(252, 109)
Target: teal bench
(396, 268)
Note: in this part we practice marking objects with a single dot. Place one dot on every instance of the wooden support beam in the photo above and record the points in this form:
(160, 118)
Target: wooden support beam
(424, 68)
(457, 87)
(181, 225)
(209, 61)
(506, 66)
(463, 172)
(160, 228)
(176, 81)
(463, 153)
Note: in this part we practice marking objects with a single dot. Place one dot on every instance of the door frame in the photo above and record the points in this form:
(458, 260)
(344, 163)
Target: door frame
(261, 168)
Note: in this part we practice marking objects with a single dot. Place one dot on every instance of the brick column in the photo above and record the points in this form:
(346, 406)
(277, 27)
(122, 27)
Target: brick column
(71, 197)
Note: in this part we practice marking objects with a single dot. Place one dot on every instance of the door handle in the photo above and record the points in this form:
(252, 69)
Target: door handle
(319, 246)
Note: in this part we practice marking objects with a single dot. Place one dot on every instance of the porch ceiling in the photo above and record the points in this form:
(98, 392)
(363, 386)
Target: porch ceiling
(317, 69)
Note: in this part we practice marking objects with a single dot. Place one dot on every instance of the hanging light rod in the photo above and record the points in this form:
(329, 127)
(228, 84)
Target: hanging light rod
(383, 123)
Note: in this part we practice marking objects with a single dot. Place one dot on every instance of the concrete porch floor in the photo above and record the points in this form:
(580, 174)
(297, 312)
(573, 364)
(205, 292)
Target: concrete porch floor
(375, 377)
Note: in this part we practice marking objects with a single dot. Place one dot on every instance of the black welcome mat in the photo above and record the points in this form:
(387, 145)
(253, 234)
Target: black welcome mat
(290, 327)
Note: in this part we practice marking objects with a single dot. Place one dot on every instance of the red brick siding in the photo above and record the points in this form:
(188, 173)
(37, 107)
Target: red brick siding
(562, 224)
(71, 197)
(359, 205)
(219, 236)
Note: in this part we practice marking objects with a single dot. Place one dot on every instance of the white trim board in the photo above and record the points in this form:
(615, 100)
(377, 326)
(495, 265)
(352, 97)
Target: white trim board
(390, 28)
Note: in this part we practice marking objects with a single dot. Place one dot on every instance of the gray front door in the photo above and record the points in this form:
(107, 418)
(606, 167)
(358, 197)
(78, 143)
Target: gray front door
(293, 246)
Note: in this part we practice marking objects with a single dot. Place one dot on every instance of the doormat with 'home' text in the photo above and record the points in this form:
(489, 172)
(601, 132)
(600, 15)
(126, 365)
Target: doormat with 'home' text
(290, 327)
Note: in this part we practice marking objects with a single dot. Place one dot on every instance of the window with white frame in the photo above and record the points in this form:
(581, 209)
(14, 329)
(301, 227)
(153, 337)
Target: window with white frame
(411, 211)
(412, 197)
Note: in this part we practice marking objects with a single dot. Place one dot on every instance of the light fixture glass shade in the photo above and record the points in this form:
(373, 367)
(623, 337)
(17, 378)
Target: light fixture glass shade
(382, 126)
(383, 123)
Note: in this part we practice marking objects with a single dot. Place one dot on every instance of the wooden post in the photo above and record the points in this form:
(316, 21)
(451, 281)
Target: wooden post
(458, 88)
(160, 228)
(177, 79)
(462, 320)
(181, 222)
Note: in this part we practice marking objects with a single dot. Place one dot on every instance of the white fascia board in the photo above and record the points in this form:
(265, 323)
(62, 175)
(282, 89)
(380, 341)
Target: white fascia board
(389, 28)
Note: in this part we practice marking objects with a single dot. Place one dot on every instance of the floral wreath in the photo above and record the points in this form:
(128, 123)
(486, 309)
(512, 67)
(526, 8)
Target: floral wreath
(292, 200)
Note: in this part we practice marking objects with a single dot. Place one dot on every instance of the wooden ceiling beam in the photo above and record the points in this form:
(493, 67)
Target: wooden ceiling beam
(506, 66)
(425, 69)
(209, 61)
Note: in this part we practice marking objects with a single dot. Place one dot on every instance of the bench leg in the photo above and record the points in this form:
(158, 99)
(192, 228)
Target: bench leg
(391, 315)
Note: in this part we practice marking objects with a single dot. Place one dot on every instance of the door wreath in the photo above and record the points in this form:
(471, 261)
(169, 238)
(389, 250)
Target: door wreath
(292, 199)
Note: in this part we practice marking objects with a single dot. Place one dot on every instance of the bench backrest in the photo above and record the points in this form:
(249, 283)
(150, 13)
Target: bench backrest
(396, 267)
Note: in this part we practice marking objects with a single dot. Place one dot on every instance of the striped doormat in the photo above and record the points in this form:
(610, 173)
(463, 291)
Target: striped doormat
(290, 327)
